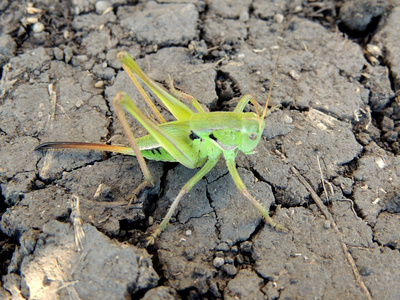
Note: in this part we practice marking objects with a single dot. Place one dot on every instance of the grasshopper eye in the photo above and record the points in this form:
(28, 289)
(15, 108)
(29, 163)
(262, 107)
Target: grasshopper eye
(253, 136)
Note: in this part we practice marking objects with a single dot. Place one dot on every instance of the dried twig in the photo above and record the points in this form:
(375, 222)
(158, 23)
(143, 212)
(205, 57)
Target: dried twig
(329, 217)
(77, 223)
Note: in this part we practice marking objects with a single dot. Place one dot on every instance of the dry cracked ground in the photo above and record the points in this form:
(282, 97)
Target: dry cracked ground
(337, 84)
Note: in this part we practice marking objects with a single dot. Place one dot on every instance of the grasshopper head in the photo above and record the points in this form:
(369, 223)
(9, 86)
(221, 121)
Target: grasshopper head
(252, 130)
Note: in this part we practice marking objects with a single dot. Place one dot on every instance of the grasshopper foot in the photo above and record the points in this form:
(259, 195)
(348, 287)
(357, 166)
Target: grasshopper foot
(272, 109)
(276, 226)
(137, 191)
(151, 239)
(281, 228)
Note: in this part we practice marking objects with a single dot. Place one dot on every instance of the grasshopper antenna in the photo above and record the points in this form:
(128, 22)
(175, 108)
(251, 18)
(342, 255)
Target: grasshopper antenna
(276, 65)
(272, 81)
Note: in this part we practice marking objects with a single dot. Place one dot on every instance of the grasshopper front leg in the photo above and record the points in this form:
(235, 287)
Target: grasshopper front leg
(231, 164)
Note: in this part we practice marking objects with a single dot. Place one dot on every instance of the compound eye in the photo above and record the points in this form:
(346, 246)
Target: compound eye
(253, 136)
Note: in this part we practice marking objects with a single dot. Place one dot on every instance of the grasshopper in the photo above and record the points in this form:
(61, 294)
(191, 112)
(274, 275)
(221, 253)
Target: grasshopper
(196, 139)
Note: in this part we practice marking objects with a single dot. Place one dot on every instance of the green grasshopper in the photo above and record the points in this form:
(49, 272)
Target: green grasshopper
(195, 139)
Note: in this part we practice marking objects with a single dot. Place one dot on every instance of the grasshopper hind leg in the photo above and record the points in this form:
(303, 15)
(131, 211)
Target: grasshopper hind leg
(165, 221)
(186, 188)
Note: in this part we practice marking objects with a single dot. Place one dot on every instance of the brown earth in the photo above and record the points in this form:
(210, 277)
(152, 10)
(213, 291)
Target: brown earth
(337, 83)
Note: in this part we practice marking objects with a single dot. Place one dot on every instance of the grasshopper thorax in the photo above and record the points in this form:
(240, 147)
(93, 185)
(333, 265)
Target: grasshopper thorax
(228, 130)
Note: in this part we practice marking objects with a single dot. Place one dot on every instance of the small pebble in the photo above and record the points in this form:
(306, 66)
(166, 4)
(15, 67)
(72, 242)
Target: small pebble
(297, 9)
(287, 119)
(102, 6)
(188, 232)
(39, 184)
(82, 58)
(68, 54)
(189, 254)
(365, 271)
(374, 50)
(278, 18)
(294, 75)
(219, 254)
(215, 53)
(222, 247)
(327, 224)
(227, 47)
(246, 246)
(346, 184)
(79, 103)
(387, 124)
(230, 270)
(229, 260)
(58, 53)
(32, 20)
(99, 84)
(218, 262)
(38, 27)
(244, 16)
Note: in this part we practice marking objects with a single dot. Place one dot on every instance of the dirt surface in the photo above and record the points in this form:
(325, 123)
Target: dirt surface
(337, 82)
